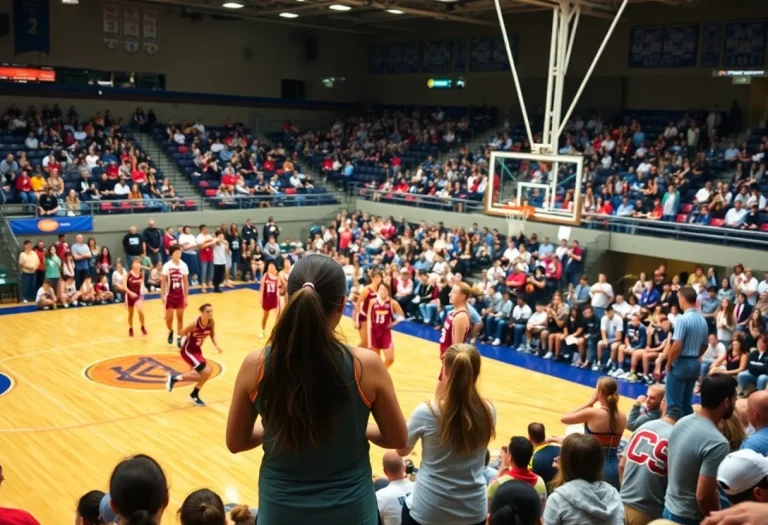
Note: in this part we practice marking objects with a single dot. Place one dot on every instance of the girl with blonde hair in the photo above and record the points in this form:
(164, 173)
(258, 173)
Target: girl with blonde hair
(454, 430)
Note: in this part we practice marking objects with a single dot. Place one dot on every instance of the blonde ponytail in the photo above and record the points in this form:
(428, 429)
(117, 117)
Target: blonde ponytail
(466, 421)
(610, 390)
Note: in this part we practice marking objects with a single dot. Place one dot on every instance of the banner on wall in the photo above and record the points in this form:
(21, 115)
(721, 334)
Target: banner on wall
(745, 44)
(31, 26)
(403, 58)
(51, 225)
(669, 46)
(111, 26)
(490, 53)
(437, 56)
(711, 41)
(377, 59)
(149, 31)
(131, 28)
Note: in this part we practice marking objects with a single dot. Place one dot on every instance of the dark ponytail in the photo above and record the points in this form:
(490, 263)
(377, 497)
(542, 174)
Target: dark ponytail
(203, 507)
(138, 489)
(305, 380)
(88, 507)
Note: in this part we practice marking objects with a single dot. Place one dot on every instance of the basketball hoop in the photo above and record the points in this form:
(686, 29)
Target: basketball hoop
(517, 216)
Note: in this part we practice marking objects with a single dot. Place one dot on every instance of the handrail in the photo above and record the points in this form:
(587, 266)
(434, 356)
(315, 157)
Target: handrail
(179, 204)
(417, 200)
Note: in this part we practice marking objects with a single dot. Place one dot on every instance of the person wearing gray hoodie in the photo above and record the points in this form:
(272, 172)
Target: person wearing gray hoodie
(580, 497)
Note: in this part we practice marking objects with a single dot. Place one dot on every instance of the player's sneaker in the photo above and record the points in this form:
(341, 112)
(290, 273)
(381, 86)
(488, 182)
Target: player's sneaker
(143, 331)
(178, 342)
(197, 401)
(130, 332)
(170, 337)
(261, 334)
(170, 382)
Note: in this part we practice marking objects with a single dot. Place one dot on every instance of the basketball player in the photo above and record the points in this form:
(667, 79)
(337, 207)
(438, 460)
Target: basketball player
(174, 290)
(383, 314)
(269, 298)
(134, 295)
(457, 325)
(282, 284)
(192, 353)
(360, 312)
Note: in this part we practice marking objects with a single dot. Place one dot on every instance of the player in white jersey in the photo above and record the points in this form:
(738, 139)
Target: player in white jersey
(174, 290)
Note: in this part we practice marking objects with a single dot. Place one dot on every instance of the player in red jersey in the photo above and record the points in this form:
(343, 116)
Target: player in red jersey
(282, 284)
(457, 325)
(174, 290)
(192, 353)
(383, 314)
(360, 312)
(134, 295)
(269, 294)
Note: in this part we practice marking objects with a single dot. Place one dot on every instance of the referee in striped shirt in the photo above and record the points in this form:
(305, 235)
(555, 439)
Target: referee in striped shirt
(689, 342)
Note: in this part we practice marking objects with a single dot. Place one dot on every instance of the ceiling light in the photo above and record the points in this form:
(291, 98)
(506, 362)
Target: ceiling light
(232, 5)
(395, 12)
(339, 7)
(289, 15)
(70, 2)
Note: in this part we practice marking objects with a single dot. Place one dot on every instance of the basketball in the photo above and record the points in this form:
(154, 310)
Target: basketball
(529, 288)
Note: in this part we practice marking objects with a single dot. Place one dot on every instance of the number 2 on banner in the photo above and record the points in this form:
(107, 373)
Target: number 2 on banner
(32, 26)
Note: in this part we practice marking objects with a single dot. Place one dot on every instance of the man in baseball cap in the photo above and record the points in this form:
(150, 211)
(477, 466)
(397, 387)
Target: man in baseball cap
(743, 476)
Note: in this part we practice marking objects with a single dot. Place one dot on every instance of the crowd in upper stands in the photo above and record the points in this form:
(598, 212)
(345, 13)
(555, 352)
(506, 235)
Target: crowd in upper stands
(66, 161)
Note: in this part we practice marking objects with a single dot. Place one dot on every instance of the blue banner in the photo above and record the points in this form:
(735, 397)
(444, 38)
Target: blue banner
(671, 46)
(403, 58)
(43, 225)
(31, 26)
(490, 53)
(711, 44)
(744, 44)
(437, 56)
(377, 59)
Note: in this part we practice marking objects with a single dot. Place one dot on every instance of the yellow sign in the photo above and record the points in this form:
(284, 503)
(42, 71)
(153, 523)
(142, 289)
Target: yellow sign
(141, 372)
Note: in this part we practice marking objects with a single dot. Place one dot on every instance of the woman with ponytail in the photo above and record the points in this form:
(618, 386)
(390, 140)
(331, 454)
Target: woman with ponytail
(455, 430)
(203, 507)
(241, 515)
(605, 422)
(515, 503)
(138, 491)
(313, 395)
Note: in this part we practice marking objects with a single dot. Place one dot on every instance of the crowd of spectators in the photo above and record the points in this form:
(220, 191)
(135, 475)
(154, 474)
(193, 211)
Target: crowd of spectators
(681, 467)
(230, 165)
(66, 161)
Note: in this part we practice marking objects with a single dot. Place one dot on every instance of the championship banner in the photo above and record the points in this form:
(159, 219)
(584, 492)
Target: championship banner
(131, 28)
(149, 31)
(111, 25)
(51, 225)
(31, 26)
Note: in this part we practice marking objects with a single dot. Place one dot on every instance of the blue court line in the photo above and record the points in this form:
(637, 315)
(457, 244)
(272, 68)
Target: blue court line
(499, 353)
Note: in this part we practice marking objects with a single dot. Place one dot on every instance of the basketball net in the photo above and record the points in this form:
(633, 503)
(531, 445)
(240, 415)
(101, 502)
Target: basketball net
(517, 216)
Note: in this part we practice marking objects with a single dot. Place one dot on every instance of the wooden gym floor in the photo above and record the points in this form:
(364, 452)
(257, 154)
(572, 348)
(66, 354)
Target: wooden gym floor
(61, 433)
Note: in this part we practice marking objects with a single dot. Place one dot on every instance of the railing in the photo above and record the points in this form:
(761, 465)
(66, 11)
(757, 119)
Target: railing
(9, 250)
(678, 231)
(180, 204)
(416, 200)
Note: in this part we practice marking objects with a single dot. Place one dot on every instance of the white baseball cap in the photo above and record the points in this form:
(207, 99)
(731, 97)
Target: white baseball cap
(741, 470)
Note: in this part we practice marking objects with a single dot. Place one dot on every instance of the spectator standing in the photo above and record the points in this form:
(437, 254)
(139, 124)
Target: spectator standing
(40, 273)
(579, 495)
(188, 244)
(270, 229)
(689, 342)
(643, 470)
(696, 448)
(391, 498)
(220, 249)
(250, 232)
(646, 408)
(28, 262)
(81, 253)
(205, 244)
(324, 466)
(450, 488)
(602, 295)
(133, 245)
(53, 268)
(574, 265)
(153, 242)
(48, 203)
(757, 415)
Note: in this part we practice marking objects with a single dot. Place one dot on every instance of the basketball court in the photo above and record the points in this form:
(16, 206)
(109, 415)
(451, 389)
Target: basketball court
(83, 395)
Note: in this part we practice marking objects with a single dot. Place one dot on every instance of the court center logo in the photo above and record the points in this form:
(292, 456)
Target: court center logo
(141, 372)
(6, 384)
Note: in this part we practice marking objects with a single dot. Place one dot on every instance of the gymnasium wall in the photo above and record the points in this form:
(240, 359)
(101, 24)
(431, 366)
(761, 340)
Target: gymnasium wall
(110, 230)
(613, 83)
(627, 248)
(233, 57)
